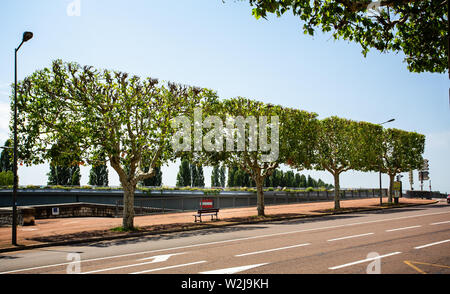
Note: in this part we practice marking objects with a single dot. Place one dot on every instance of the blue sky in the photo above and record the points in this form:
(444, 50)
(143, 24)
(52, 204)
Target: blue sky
(222, 46)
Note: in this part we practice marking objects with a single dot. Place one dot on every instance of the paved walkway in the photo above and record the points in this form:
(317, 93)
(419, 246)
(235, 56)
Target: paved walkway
(62, 227)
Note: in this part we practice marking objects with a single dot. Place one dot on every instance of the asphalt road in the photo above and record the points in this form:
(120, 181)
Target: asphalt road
(399, 241)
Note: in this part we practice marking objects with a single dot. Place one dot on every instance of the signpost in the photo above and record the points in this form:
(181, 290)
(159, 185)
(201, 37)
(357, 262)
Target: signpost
(424, 173)
(411, 180)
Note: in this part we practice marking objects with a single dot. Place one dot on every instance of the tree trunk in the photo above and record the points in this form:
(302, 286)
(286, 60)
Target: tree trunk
(337, 196)
(391, 186)
(128, 207)
(260, 195)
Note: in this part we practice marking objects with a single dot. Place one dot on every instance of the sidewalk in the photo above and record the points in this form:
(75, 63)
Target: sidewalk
(50, 232)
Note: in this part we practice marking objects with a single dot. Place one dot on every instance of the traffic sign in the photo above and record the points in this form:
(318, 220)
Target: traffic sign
(206, 203)
(424, 175)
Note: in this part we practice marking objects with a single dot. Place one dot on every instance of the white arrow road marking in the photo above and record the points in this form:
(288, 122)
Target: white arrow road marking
(157, 258)
(233, 270)
(169, 267)
(161, 258)
(362, 261)
(275, 249)
(224, 241)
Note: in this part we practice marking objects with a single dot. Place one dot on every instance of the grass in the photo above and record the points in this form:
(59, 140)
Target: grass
(123, 230)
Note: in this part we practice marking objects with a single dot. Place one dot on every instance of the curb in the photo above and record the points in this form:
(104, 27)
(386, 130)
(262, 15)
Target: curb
(206, 226)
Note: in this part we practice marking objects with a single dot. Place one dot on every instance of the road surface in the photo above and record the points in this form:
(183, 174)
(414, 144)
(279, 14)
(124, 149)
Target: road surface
(410, 240)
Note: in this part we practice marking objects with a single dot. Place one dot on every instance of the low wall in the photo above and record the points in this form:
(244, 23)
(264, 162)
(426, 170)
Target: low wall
(172, 199)
(25, 216)
(425, 194)
(43, 204)
(74, 210)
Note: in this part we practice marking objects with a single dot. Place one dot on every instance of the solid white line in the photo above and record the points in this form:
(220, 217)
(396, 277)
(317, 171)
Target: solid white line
(168, 267)
(431, 244)
(362, 261)
(226, 241)
(270, 250)
(404, 228)
(348, 237)
(118, 267)
(439, 223)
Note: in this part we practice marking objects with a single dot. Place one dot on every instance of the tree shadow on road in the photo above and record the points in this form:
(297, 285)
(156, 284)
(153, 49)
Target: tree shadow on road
(171, 236)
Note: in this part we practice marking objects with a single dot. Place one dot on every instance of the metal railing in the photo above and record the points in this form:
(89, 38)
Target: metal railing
(233, 199)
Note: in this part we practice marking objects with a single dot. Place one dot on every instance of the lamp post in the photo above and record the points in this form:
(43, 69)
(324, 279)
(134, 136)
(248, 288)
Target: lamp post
(26, 36)
(381, 187)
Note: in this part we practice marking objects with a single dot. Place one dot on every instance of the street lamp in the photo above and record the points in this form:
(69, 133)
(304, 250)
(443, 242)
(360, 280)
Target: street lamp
(381, 187)
(26, 37)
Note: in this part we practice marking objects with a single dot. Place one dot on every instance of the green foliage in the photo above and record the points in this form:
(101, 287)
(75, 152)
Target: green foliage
(250, 166)
(418, 29)
(345, 144)
(401, 152)
(190, 174)
(6, 158)
(218, 176)
(184, 174)
(293, 180)
(197, 176)
(6, 178)
(98, 176)
(154, 181)
(85, 112)
(64, 175)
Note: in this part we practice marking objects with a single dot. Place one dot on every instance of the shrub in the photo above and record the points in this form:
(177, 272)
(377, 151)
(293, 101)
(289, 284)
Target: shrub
(6, 178)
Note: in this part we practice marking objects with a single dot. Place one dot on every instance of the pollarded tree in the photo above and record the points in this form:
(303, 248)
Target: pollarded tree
(418, 29)
(344, 145)
(257, 138)
(401, 152)
(126, 117)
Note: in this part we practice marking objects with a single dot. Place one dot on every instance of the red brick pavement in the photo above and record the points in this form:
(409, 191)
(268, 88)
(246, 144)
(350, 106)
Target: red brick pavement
(64, 226)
